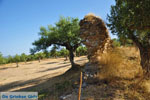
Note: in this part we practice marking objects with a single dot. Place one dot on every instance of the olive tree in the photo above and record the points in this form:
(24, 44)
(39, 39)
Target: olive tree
(65, 33)
(130, 19)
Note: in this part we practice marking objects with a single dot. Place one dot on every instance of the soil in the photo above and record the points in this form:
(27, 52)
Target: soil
(29, 76)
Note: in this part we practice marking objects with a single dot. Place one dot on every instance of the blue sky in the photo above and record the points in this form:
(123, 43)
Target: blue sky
(20, 20)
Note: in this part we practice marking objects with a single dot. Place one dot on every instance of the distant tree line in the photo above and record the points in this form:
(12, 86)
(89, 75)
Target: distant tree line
(117, 42)
(53, 53)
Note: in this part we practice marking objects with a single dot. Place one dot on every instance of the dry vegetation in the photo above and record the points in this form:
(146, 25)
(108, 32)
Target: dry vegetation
(120, 63)
(42, 77)
(64, 84)
(119, 78)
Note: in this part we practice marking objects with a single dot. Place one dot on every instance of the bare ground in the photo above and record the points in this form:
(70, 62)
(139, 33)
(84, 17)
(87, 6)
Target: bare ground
(34, 76)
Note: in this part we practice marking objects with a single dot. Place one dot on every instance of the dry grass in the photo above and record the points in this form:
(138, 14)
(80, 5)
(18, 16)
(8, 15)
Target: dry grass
(145, 86)
(64, 85)
(122, 63)
(90, 16)
(117, 64)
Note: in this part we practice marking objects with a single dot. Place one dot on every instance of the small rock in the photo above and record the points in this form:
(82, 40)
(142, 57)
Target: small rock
(65, 97)
(84, 85)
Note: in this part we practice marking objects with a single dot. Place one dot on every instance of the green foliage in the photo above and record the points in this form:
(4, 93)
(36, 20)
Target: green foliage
(64, 33)
(81, 50)
(119, 42)
(30, 57)
(54, 52)
(2, 59)
(47, 54)
(116, 42)
(16, 58)
(125, 41)
(23, 57)
(10, 59)
(1, 54)
(64, 52)
(39, 55)
(129, 19)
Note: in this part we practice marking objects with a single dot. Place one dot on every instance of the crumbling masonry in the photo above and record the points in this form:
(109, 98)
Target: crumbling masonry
(95, 36)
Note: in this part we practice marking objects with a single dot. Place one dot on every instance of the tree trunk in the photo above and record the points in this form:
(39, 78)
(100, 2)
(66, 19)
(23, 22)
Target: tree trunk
(145, 58)
(17, 64)
(66, 58)
(39, 59)
(144, 53)
(71, 58)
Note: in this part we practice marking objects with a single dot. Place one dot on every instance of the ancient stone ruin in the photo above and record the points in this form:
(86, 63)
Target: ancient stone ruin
(95, 36)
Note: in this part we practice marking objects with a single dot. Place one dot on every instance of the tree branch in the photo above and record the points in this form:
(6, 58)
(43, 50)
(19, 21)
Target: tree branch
(139, 28)
(135, 40)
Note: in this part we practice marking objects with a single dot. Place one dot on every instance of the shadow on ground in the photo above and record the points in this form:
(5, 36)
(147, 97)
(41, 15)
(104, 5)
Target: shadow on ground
(50, 63)
(38, 84)
(7, 68)
(50, 69)
(42, 83)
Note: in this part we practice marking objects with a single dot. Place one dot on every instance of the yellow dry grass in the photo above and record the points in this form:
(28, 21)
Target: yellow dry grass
(118, 64)
(145, 85)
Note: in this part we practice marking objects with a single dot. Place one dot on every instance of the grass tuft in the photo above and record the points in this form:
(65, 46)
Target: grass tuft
(116, 66)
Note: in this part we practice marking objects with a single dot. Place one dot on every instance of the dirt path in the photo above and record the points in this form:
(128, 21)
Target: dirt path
(33, 73)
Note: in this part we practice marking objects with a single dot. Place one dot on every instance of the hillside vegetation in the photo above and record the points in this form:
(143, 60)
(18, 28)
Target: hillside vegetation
(117, 77)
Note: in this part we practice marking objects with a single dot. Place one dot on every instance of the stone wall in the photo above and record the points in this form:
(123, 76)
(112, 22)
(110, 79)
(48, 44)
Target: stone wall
(95, 36)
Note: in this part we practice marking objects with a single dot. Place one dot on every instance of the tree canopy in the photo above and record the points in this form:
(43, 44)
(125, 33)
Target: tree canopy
(65, 33)
(129, 19)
